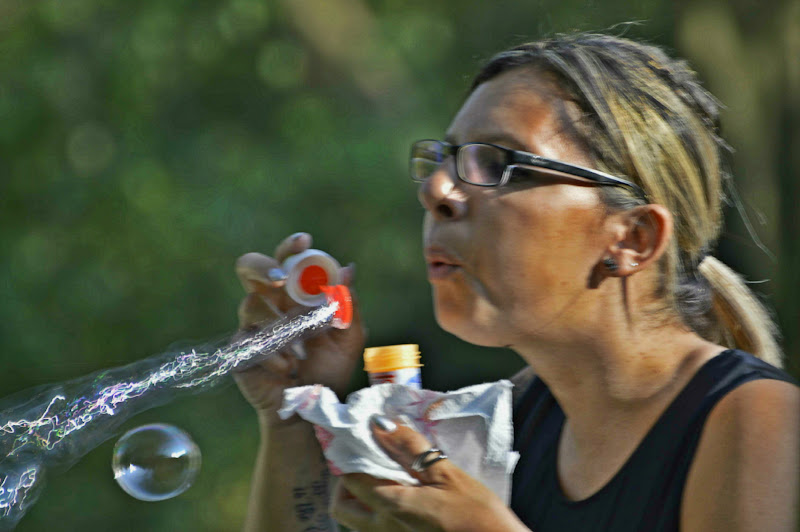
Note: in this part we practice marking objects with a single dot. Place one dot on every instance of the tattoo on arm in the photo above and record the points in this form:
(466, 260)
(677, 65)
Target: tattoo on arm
(311, 504)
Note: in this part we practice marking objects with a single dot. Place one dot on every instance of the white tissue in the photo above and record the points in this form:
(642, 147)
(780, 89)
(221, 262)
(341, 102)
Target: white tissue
(472, 425)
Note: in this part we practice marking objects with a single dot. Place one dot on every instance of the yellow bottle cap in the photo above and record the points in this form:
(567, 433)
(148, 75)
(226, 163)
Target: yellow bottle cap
(391, 358)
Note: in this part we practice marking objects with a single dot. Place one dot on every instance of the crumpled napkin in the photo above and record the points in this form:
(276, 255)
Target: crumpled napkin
(472, 425)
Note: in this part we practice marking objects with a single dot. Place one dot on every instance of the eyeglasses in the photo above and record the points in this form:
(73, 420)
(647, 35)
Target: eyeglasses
(489, 165)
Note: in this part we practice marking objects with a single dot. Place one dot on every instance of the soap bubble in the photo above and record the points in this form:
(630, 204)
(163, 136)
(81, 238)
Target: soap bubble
(155, 462)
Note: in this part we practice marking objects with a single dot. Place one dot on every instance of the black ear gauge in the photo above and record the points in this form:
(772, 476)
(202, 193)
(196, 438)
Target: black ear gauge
(610, 264)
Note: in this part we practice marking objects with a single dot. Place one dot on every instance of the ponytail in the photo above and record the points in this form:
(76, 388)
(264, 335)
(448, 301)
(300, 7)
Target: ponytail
(741, 321)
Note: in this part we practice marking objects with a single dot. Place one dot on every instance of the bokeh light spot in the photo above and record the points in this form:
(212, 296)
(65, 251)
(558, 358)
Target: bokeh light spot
(307, 119)
(282, 65)
(240, 20)
(90, 148)
(148, 186)
(425, 40)
(67, 16)
(203, 43)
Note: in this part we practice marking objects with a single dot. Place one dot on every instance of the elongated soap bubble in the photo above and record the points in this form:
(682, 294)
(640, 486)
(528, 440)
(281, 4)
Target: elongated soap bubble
(49, 428)
(155, 462)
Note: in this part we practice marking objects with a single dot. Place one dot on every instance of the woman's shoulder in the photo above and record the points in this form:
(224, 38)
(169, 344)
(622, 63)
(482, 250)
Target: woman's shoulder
(751, 393)
(729, 371)
(756, 365)
(744, 470)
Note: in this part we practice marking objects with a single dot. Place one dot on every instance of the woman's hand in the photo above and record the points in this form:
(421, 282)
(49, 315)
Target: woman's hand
(331, 355)
(447, 499)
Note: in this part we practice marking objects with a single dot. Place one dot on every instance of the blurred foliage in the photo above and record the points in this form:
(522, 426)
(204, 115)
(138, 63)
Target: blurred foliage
(145, 145)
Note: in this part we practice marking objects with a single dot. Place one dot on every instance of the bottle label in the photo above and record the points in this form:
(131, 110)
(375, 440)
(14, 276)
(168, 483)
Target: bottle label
(406, 376)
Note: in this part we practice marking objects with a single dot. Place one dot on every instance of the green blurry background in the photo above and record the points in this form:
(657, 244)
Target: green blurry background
(145, 145)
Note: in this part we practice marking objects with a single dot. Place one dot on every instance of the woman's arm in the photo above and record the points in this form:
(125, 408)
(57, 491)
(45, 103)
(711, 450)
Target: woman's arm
(746, 472)
(289, 489)
(290, 486)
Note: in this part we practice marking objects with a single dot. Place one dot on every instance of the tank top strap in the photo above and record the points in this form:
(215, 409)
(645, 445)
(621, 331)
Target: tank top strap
(713, 380)
(533, 406)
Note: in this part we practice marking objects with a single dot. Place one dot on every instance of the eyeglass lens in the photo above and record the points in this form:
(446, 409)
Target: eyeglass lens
(426, 157)
(479, 164)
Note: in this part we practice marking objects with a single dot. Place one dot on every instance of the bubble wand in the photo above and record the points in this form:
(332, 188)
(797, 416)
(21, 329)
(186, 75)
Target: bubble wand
(53, 426)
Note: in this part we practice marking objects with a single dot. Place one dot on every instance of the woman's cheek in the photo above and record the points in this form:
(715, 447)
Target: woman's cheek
(453, 302)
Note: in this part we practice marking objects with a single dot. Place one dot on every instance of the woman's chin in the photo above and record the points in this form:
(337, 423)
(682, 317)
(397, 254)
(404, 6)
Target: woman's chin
(470, 330)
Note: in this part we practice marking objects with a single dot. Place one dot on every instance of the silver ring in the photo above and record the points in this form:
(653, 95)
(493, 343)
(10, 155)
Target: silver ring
(424, 460)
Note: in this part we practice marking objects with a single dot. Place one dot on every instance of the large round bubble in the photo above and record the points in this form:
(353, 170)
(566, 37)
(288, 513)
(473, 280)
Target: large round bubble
(155, 462)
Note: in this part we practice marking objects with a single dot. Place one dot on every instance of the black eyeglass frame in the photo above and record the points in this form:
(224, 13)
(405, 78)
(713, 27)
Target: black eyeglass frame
(516, 158)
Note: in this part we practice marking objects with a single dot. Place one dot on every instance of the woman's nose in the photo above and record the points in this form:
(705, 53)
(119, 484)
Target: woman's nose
(442, 195)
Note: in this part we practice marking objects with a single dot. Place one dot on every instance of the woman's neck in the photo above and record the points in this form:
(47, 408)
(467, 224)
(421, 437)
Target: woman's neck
(612, 394)
(611, 380)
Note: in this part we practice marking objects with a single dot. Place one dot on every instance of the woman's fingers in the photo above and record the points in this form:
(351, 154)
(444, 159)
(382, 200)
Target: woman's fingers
(262, 383)
(292, 245)
(349, 511)
(347, 274)
(255, 309)
(262, 275)
(348, 507)
(282, 363)
(446, 499)
(256, 273)
(387, 502)
(404, 445)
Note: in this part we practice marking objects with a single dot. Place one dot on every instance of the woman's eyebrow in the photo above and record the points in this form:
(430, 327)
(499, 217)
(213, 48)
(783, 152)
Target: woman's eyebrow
(499, 139)
(506, 141)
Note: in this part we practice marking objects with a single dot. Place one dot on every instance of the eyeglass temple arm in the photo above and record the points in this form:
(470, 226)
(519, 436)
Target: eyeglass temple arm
(579, 171)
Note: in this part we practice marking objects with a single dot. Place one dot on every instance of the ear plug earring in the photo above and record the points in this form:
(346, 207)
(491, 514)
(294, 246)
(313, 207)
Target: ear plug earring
(610, 264)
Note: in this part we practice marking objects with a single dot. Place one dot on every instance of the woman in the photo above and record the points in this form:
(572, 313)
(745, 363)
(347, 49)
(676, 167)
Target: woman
(569, 214)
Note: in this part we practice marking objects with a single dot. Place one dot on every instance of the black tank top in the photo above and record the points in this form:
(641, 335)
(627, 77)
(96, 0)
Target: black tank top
(646, 493)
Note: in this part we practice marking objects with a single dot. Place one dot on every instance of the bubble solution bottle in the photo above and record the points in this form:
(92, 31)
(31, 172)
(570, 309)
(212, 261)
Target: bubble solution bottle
(398, 364)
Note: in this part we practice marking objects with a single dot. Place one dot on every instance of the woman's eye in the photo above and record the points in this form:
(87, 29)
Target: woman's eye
(494, 168)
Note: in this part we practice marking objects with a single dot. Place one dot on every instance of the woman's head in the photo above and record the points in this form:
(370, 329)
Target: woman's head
(511, 262)
(629, 110)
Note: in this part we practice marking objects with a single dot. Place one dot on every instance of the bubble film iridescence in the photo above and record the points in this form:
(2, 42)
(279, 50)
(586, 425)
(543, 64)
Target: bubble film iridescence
(155, 462)
(53, 426)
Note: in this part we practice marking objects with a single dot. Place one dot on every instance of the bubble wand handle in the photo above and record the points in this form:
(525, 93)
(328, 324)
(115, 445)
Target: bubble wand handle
(52, 427)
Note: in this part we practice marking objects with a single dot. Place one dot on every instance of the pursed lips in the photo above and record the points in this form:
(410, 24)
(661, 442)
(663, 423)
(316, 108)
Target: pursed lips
(441, 263)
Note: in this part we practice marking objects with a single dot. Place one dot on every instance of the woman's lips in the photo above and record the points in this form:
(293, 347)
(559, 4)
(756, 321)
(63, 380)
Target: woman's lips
(441, 264)
(441, 270)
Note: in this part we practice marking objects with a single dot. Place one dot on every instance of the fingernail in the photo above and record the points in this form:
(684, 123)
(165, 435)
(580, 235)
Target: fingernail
(383, 423)
(297, 236)
(276, 275)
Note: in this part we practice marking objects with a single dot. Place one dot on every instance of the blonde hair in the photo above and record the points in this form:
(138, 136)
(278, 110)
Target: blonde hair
(645, 117)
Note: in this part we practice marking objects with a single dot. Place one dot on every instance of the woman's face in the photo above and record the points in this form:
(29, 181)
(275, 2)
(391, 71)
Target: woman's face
(512, 265)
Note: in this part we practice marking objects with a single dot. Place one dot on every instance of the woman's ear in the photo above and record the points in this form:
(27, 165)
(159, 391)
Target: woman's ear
(643, 234)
